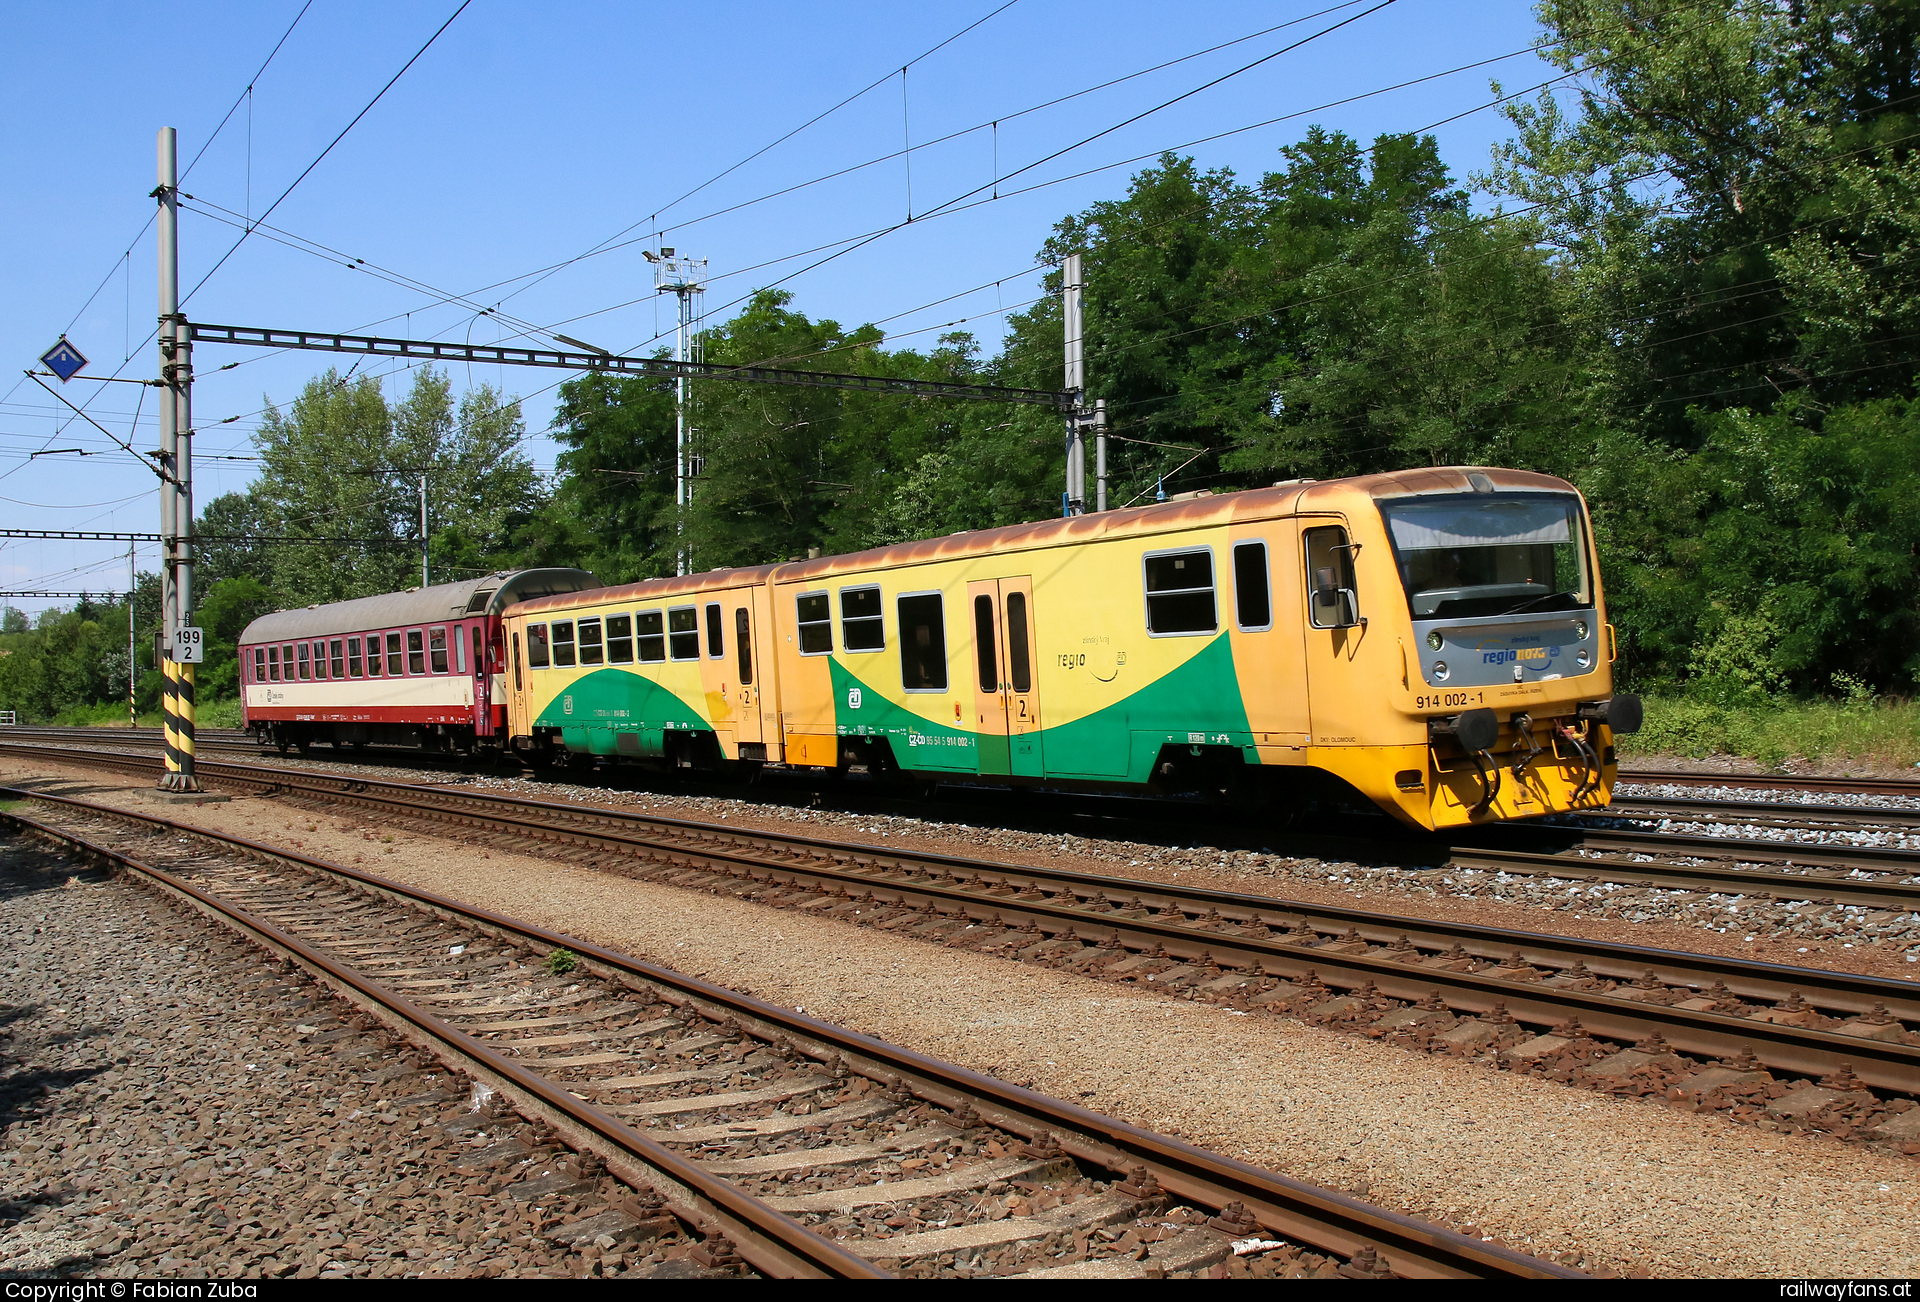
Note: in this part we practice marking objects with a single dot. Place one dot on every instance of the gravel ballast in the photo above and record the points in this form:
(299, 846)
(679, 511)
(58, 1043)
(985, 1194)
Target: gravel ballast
(1549, 1169)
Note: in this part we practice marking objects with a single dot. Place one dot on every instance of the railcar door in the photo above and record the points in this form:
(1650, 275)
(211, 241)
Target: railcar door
(1006, 686)
(1347, 668)
(747, 669)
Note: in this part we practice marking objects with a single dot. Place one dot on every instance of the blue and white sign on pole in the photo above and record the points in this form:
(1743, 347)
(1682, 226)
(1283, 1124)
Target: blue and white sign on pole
(63, 359)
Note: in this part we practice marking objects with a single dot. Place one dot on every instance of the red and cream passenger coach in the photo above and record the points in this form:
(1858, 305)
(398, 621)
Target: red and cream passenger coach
(415, 668)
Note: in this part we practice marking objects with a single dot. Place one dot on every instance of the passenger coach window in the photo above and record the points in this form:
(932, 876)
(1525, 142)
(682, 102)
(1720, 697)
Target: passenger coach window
(353, 657)
(562, 643)
(273, 664)
(319, 659)
(653, 637)
(861, 628)
(683, 632)
(1019, 664)
(395, 660)
(337, 649)
(816, 623)
(743, 639)
(716, 632)
(437, 649)
(1180, 593)
(416, 652)
(536, 646)
(1252, 602)
(460, 650)
(983, 648)
(923, 643)
(286, 659)
(305, 671)
(1329, 578)
(591, 652)
(259, 664)
(619, 639)
(517, 684)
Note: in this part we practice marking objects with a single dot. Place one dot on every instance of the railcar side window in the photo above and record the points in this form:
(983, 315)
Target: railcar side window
(337, 653)
(591, 652)
(983, 648)
(716, 632)
(816, 623)
(259, 664)
(861, 627)
(619, 639)
(437, 649)
(396, 662)
(743, 639)
(1180, 592)
(1329, 579)
(923, 643)
(536, 646)
(1019, 663)
(306, 671)
(416, 652)
(562, 635)
(353, 657)
(1252, 600)
(653, 636)
(683, 632)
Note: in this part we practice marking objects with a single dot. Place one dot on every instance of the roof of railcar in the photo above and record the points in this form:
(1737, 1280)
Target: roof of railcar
(1294, 498)
(442, 601)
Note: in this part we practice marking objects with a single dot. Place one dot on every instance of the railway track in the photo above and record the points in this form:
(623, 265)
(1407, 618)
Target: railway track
(1456, 985)
(791, 1145)
(1785, 782)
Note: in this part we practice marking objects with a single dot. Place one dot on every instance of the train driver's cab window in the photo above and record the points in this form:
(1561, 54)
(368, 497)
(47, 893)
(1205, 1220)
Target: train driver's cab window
(816, 623)
(1332, 599)
(306, 670)
(716, 633)
(619, 639)
(591, 650)
(337, 653)
(536, 646)
(259, 664)
(923, 643)
(416, 652)
(273, 664)
(353, 658)
(1180, 593)
(396, 659)
(653, 636)
(562, 635)
(683, 632)
(1252, 598)
(861, 625)
(437, 649)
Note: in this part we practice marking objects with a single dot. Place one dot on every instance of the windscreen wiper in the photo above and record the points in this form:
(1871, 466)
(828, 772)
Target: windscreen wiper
(1534, 601)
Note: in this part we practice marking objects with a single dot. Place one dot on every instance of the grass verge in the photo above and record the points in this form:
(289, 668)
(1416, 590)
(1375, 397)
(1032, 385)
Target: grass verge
(1882, 733)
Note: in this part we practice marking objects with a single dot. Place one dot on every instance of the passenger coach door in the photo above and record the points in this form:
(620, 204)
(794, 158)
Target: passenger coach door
(1006, 688)
(747, 670)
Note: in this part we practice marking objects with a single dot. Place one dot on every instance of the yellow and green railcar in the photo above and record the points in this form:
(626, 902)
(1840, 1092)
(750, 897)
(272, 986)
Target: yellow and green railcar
(1434, 640)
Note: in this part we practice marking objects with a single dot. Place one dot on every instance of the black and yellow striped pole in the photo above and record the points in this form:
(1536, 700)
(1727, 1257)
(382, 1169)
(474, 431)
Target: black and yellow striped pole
(168, 739)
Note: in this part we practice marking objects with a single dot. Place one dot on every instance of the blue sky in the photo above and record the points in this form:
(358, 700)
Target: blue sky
(530, 134)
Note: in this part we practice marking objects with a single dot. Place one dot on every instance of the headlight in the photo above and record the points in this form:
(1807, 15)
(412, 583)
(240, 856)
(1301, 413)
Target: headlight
(1580, 630)
(1440, 671)
(1435, 641)
(1583, 657)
